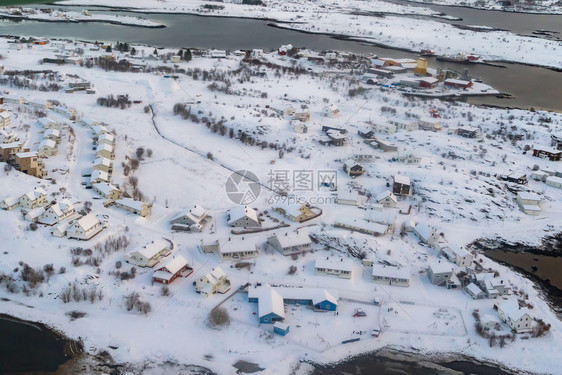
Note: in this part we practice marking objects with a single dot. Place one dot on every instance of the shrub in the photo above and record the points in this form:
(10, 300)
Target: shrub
(219, 317)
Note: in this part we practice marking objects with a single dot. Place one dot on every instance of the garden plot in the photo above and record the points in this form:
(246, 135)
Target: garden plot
(424, 320)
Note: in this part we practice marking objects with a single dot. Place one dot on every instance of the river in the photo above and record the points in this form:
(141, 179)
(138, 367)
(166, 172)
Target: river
(531, 86)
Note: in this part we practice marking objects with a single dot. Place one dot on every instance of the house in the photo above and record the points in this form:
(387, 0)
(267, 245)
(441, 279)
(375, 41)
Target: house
(327, 265)
(474, 291)
(8, 137)
(33, 215)
(8, 151)
(107, 139)
(213, 282)
(554, 181)
(290, 243)
(427, 234)
(5, 119)
(529, 203)
(458, 255)
(47, 123)
(386, 128)
(104, 165)
(57, 212)
(150, 254)
(256, 54)
(374, 72)
(173, 269)
(493, 286)
(516, 317)
(107, 191)
(361, 226)
(331, 111)
(390, 275)
(302, 116)
(217, 54)
(467, 131)
(89, 122)
(289, 111)
(429, 82)
(547, 153)
(349, 197)
(298, 212)
(236, 249)
(284, 49)
(430, 123)
(281, 328)
(382, 217)
(104, 151)
(60, 229)
(352, 168)
(382, 144)
(98, 130)
(47, 147)
(193, 219)
(458, 83)
(33, 199)
(539, 176)
(364, 158)
(53, 134)
(85, 227)
(9, 203)
(98, 176)
(271, 301)
(515, 177)
(401, 185)
(28, 162)
(439, 272)
(133, 206)
(404, 125)
(299, 127)
(387, 199)
(243, 216)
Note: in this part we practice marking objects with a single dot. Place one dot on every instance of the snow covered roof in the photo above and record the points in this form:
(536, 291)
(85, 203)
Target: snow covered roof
(89, 221)
(531, 207)
(362, 224)
(104, 146)
(61, 207)
(333, 263)
(483, 276)
(106, 136)
(457, 251)
(99, 175)
(291, 239)
(430, 80)
(44, 121)
(512, 310)
(457, 81)
(215, 275)
(51, 132)
(381, 217)
(293, 210)
(400, 179)
(35, 194)
(269, 301)
(29, 154)
(5, 114)
(35, 213)
(89, 121)
(440, 267)
(131, 203)
(104, 188)
(281, 326)
(528, 196)
(474, 289)
(196, 213)
(350, 163)
(385, 194)
(274, 296)
(424, 231)
(98, 129)
(102, 161)
(151, 249)
(47, 143)
(239, 212)
(430, 120)
(174, 265)
(394, 272)
(554, 179)
(10, 201)
(348, 195)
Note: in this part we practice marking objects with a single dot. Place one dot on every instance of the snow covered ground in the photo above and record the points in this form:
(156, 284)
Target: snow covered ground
(454, 189)
(357, 19)
(545, 6)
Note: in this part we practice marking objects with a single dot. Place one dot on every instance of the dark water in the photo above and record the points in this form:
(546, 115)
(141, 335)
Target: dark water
(531, 86)
(376, 365)
(27, 347)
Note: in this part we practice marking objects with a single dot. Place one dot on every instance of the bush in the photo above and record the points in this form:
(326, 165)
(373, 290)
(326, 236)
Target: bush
(33, 227)
(219, 317)
(165, 291)
(292, 270)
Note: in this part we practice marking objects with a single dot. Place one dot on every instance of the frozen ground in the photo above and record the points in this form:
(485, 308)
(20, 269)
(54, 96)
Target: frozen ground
(357, 19)
(546, 6)
(454, 189)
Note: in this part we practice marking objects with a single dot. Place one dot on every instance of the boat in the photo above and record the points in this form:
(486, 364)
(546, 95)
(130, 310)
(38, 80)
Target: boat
(427, 52)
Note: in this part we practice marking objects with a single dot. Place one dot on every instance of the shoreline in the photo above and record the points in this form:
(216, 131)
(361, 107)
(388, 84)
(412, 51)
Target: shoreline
(24, 18)
(538, 13)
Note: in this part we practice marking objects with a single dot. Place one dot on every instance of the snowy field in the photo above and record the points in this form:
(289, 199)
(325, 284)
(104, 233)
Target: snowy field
(454, 189)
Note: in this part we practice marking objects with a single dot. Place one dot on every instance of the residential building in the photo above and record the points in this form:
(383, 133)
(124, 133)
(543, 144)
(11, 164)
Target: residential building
(98, 130)
(104, 165)
(150, 254)
(361, 226)
(349, 197)
(53, 134)
(33, 199)
(8, 137)
(33, 215)
(8, 151)
(175, 268)
(57, 212)
(430, 123)
(107, 191)
(134, 206)
(547, 153)
(390, 275)
(458, 83)
(289, 243)
(327, 265)
(105, 151)
(9, 203)
(195, 218)
(299, 127)
(243, 216)
(529, 203)
(106, 138)
(458, 255)
(85, 228)
(387, 218)
(5, 119)
(554, 181)
(298, 212)
(427, 234)
(474, 291)
(439, 272)
(89, 122)
(516, 317)
(47, 147)
(352, 168)
(236, 248)
(387, 199)
(213, 282)
(47, 123)
(281, 328)
(467, 131)
(98, 176)
(302, 116)
(331, 111)
(28, 163)
(401, 185)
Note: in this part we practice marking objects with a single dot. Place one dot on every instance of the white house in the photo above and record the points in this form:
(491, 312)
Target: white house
(236, 248)
(53, 134)
(192, 219)
(387, 199)
(57, 212)
(33, 199)
(89, 122)
(349, 197)
(47, 147)
(5, 119)
(439, 273)
(474, 291)
(243, 216)
(331, 110)
(104, 151)
(33, 215)
(150, 254)
(289, 243)
(299, 127)
(385, 128)
(430, 123)
(327, 265)
(529, 203)
(554, 181)
(98, 130)
(404, 125)
(427, 234)
(47, 123)
(60, 229)
(104, 165)
(8, 137)
(98, 176)
(10, 203)
(458, 255)
(516, 317)
(85, 228)
(106, 138)
(107, 191)
(213, 282)
(390, 275)
(361, 226)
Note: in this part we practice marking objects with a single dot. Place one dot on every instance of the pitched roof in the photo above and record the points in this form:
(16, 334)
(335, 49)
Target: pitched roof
(394, 272)
(35, 194)
(44, 121)
(400, 179)
(151, 249)
(174, 265)
(290, 239)
(102, 161)
(333, 263)
(512, 310)
(104, 188)
(385, 194)
(46, 142)
(99, 175)
(88, 221)
(440, 267)
(131, 203)
(473, 289)
(239, 212)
